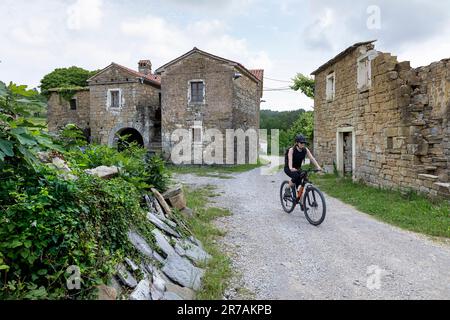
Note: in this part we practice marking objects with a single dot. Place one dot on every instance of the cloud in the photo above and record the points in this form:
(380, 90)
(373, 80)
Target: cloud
(402, 23)
(32, 32)
(166, 40)
(85, 14)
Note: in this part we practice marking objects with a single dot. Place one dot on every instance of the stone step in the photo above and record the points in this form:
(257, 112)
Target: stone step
(428, 177)
(444, 187)
(430, 168)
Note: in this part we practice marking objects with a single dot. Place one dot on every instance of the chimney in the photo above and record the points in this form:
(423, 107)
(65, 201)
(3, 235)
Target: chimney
(145, 67)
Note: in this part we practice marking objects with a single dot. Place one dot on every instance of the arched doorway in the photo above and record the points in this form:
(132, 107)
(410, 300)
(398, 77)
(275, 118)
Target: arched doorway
(128, 136)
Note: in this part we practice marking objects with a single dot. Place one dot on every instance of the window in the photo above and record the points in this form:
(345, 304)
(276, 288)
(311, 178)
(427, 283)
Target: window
(73, 104)
(364, 73)
(197, 92)
(331, 86)
(114, 99)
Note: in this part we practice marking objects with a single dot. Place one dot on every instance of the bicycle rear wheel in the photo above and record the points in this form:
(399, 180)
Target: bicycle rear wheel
(314, 206)
(288, 203)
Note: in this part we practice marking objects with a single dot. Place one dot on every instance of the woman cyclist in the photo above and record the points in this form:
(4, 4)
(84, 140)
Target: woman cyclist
(294, 159)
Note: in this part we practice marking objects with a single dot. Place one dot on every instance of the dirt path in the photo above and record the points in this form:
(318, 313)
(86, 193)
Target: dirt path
(350, 256)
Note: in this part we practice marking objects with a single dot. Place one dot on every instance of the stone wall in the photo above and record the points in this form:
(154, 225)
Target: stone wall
(59, 113)
(229, 104)
(400, 124)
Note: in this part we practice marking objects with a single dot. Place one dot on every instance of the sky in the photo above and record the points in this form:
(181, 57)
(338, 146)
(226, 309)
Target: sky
(283, 37)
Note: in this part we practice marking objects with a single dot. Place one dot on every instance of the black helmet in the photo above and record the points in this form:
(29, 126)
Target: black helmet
(300, 139)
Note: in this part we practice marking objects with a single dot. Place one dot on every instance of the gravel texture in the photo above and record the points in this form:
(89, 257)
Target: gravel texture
(350, 256)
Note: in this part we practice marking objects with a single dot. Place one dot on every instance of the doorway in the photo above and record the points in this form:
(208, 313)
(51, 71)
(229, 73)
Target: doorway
(346, 151)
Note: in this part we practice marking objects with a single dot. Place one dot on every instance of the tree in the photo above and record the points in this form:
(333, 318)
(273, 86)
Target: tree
(303, 125)
(305, 84)
(72, 77)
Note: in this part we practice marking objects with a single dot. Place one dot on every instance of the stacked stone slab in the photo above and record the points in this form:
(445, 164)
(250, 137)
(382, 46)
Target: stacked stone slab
(169, 269)
(401, 123)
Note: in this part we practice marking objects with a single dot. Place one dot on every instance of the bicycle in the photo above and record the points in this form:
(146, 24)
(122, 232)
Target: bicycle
(311, 200)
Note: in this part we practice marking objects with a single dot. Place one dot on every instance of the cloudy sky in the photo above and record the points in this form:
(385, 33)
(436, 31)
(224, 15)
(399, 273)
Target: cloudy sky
(282, 36)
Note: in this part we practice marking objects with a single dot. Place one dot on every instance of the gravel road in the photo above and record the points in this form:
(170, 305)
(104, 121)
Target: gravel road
(350, 256)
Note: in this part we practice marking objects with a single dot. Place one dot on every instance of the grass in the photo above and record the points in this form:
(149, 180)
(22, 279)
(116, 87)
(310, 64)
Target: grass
(408, 211)
(215, 171)
(218, 269)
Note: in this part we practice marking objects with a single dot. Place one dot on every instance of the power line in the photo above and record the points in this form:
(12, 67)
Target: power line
(280, 89)
(278, 80)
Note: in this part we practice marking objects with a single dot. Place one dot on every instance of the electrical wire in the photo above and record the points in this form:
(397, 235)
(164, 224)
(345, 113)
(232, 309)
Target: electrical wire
(285, 81)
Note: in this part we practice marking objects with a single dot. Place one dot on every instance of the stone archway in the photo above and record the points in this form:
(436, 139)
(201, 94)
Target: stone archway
(127, 136)
(134, 133)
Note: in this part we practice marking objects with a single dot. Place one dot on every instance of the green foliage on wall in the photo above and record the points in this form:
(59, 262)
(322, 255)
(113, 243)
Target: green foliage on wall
(66, 79)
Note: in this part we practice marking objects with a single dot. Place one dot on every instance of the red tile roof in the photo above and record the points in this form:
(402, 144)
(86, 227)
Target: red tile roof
(156, 79)
(258, 73)
(237, 64)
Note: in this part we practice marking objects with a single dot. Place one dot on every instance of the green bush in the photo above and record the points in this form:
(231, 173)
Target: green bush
(55, 224)
(48, 224)
(134, 163)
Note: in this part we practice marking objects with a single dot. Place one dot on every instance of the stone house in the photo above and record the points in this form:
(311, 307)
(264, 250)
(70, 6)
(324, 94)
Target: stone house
(195, 91)
(202, 91)
(382, 121)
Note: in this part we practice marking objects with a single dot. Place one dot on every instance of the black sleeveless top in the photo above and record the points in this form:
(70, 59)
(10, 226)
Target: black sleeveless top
(297, 158)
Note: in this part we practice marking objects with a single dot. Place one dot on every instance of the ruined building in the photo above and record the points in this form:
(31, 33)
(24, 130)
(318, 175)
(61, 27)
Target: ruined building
(196, 91)
(383, 122)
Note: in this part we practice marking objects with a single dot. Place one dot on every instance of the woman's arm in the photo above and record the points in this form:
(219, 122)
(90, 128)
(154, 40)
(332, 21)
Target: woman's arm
(290, 157)
(311, 157)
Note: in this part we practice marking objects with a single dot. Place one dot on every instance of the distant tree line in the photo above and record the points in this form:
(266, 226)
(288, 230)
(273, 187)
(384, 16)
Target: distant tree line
(290, 124)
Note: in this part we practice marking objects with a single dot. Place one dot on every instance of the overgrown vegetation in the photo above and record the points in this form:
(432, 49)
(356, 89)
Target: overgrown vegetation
(218, 270)
(66, 79)
(408, 211)
(49, 221)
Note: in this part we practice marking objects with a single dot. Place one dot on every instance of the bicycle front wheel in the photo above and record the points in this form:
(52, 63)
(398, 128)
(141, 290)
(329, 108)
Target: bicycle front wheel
(288, 202)
(314, 206)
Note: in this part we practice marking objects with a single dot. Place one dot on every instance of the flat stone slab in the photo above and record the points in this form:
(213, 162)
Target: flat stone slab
(428, 177)
(163, 242)
(140, 244)
(125, 277)
(161, 225)
(443, 184)
(183, 272)
(104, 172)
(106, 293)
(162, 202)
(142, 291)
(193, 252)
(131, 264)
(171, 296)
(183, 293)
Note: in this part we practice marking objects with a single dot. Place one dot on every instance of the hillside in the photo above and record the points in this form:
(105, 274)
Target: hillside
(279, 119)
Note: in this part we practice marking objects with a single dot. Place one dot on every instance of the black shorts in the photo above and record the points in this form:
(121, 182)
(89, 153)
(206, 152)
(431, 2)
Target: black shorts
(297, 177)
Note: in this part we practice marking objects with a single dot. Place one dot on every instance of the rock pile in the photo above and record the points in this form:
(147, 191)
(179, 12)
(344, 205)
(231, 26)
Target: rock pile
(171, 271)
